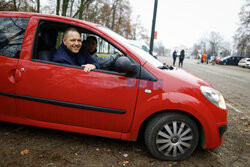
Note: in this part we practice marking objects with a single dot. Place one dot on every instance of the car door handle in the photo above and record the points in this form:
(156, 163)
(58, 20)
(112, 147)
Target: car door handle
(18, 75)
(11, 76)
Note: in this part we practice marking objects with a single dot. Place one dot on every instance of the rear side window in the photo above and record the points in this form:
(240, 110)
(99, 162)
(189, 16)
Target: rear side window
(12, 31)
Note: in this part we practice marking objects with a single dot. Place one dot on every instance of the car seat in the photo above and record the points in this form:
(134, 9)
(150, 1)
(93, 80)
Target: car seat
(47, 44)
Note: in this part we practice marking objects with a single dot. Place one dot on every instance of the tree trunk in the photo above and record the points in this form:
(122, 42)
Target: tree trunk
(242, 50)
(58, 6)
(38, 6)
(65, 7)
(71, 8)
(114, 6)
(81, 10)
(14, 3)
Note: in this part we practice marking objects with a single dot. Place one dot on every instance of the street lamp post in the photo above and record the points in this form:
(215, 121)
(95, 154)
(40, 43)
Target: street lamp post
(153, 28)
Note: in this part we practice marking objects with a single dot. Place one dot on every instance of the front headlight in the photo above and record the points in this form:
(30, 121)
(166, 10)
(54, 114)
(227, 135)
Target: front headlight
(213, 96)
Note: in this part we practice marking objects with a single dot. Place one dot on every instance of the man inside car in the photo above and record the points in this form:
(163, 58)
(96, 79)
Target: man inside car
(72, 52)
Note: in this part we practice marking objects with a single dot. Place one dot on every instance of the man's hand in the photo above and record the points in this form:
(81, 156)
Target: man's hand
(88, 67)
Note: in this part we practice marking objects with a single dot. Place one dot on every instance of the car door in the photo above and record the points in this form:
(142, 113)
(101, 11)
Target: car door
(58, 94)
(230, 60)
(237, 60)
(12, 30)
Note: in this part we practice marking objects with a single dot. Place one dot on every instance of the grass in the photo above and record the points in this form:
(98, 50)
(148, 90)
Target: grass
(104, 54)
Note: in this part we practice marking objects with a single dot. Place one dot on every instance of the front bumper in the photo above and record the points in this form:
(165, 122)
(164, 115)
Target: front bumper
(222, 130)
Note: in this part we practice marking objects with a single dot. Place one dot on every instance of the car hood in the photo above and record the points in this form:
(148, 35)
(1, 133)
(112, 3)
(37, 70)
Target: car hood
(188, 78)
(181, 81)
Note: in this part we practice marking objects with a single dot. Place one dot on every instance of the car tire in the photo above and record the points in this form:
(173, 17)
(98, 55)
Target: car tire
(171, 136)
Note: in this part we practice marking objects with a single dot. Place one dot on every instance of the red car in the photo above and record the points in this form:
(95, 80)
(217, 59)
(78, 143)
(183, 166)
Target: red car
(175, 111)
(218, 59)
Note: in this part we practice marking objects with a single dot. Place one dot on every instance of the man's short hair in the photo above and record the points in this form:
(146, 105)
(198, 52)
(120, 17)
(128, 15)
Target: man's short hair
(69, 29)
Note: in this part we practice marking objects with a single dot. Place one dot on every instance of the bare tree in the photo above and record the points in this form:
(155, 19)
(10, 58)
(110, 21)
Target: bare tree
(83, 5)
(7, 6)
(65, 6)
(71, 8)
(213, 44)
(38, 6)
(113, 10)
(159, 48)
(196, 50)
(18, 5)
(15, 5)
(139, 32)
(203, 44)
(242, 36)
(114, 14)
(201, 47)
(215, 41)
(225, 49)
(58, 3)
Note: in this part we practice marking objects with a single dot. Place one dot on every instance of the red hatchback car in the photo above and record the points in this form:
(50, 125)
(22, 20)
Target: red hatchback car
(175, 111)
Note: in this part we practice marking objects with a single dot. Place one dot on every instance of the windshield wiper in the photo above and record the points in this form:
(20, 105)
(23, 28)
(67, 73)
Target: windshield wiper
(166, 67)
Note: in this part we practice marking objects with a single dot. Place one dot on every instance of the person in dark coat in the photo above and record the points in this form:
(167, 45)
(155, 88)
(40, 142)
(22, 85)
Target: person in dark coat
(105, 63)
(174, 57)
(208, 58)
(72, 52)
(181, 58)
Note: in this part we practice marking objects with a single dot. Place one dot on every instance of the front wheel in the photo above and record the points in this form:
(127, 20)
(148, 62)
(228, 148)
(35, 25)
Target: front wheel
(171, 136)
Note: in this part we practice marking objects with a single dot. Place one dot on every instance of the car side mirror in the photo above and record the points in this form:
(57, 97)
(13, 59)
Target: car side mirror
(124, 65)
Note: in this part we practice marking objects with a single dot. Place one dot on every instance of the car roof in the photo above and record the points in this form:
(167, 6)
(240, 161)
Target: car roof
(30, 14)
(63, 18)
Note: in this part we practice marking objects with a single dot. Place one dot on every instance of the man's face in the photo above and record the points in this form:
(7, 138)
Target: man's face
(72, 41)
(91, 45)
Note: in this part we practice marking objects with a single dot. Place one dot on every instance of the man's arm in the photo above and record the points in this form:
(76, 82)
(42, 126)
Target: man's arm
(105, 62)
(89, 63)
(89, 59)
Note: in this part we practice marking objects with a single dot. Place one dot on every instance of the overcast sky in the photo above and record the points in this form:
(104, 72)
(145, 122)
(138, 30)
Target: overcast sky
(184, 22)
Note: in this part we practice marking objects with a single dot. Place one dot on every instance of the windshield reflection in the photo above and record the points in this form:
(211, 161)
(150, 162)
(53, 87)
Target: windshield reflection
(140, 52)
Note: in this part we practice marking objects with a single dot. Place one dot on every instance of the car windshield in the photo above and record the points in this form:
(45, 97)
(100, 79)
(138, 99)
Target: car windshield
(145, 55)
(140, 52)
(224, 58)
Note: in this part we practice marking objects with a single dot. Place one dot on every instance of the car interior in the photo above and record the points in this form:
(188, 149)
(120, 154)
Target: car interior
(47, 43)
(49, 37)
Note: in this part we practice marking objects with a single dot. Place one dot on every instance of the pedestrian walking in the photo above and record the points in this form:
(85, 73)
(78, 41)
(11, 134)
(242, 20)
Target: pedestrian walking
(204, 57)
(174, 57)
(208, 58)
(181, 58)
(198, 58)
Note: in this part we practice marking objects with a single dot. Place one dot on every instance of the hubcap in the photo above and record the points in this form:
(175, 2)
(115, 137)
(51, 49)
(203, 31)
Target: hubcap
(174, 138)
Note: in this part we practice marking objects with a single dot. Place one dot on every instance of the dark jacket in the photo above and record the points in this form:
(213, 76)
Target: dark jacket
(174, 54)
(182, 55)
(64, 55)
